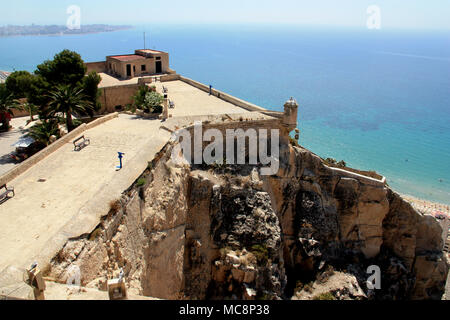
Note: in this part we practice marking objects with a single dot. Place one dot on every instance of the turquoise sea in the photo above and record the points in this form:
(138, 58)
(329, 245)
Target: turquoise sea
(380, 100)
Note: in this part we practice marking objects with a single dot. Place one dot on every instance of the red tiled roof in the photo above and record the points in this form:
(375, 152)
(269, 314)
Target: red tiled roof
(129, 57)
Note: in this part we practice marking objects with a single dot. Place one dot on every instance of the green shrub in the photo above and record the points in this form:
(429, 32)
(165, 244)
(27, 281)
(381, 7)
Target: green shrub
(131, 108)
(141, 182)
(76, 123)
(139, 97)
(330, 162)
(264, 297)
(324, 296)
(224, 251)
(260, 252)
(341, 164)
(157, 109)
(153, 102)
(42, 131)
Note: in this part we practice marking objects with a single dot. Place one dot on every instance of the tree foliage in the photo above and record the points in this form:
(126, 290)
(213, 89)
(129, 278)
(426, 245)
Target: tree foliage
(66, 68)
(57, 86)
(90, 87)
(20, 84)
(42, 132)
(7, 103)
(30, 108)
(139, 97)
(67, 99)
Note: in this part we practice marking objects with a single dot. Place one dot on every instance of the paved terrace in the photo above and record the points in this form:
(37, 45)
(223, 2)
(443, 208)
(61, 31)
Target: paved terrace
(192, 101)
(64, 195)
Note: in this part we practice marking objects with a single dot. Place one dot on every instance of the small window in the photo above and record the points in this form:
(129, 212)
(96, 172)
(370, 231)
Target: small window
(158, 58)
(143, 67)
(134, 68)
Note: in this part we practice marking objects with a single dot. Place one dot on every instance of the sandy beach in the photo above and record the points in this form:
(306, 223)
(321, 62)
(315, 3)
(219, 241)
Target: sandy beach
(428, 207)
(436, 210)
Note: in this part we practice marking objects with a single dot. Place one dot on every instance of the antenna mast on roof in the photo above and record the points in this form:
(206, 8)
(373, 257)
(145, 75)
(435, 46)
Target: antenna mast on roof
(144, 40)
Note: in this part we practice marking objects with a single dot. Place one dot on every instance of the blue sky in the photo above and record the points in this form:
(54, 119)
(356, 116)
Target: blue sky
(404, 14)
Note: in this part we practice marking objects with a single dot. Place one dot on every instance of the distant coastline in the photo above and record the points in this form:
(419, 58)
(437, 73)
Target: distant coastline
(55, 30)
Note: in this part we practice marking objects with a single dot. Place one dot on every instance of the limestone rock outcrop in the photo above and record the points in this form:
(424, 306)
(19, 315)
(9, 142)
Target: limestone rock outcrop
(225, 232)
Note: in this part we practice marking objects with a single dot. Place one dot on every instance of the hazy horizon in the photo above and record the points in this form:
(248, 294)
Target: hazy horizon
(395, 14)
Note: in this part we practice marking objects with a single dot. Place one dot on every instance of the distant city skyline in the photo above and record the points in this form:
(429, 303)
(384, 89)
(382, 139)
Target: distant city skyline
(399, 14)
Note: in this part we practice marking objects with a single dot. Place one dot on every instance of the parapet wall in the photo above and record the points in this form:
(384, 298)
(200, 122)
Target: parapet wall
(224, 96)
(235, 124)
(122, 95)
(96, 66)
(170, 77)
(27, 164)
(359, 177)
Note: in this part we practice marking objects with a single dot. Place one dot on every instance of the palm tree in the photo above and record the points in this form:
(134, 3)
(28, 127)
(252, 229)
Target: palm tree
(7, 103)
(30, 108)
(66, 99)
(42, 132)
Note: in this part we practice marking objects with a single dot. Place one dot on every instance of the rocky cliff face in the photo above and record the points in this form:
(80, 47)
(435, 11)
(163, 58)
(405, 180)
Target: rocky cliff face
(226, 232)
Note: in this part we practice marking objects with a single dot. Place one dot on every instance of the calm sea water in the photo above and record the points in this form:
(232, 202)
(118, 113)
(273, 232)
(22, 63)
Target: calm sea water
(378, 100)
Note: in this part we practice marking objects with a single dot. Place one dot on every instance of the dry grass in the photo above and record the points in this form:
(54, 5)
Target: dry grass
(249, 259)
(95, 234)
(246, 182)
(115, 206)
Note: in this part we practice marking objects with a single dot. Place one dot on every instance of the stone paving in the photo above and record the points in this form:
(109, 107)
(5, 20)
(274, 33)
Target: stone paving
(7, 139)
(51, 194)
(65, 194)
(190, 101)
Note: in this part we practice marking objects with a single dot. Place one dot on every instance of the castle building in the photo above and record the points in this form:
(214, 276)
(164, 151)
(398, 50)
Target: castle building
(144, 62)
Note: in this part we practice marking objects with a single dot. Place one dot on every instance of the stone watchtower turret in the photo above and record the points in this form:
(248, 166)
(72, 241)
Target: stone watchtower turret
(289, 120)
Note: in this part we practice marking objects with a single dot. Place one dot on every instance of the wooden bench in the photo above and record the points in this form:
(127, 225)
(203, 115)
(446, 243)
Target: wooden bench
(6, 193)
(80, 143)
(171, 104)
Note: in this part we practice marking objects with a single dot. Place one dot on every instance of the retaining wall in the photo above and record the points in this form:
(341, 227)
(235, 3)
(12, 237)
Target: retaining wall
(17, 113)
(117, 96)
